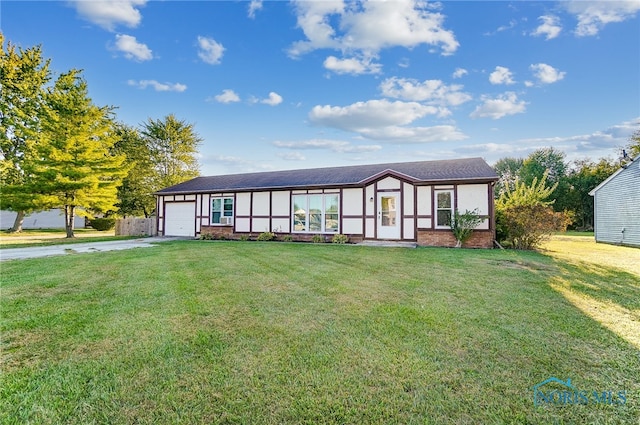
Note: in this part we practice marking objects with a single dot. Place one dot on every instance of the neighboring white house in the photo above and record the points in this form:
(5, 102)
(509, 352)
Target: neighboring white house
(51, 219)
(412, 201)
(617, 206)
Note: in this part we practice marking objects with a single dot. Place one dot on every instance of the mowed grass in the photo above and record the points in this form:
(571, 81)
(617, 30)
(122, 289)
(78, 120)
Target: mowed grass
(44, 237)
(273, 333)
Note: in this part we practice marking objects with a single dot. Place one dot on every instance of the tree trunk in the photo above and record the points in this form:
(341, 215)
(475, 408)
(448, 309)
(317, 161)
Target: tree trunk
(69, 213)
(17, 224)
(458, 243)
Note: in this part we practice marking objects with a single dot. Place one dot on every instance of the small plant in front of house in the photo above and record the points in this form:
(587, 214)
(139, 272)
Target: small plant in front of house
(244, 238)
(287, 238)
(266, 236)
(463, 225)
(339, 238)
(207, 237)
(317, 239)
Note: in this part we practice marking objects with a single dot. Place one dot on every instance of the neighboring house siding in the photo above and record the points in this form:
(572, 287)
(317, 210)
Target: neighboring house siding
(617, 207)
(51, 219)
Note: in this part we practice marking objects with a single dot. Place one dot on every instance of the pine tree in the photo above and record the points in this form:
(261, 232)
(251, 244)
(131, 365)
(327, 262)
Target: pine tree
(76, 166)
(23, 76)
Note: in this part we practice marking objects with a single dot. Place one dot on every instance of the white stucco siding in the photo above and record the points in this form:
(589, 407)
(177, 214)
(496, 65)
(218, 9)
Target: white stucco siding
(474, 196)
(369, 192)
(281, 225)
(408, 229)
(617, 208)
(261, 203)
(408, 199)
(243, 224)
(389, 183)
(243, 204)
(370, 228)
(280, 202)
(260, 225)
(424, 201)
(352, 226)
(424, 223)
(352, 202)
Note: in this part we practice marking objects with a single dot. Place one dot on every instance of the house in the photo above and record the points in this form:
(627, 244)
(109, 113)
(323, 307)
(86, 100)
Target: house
(50, 219)
(617, 206)
(412, 201)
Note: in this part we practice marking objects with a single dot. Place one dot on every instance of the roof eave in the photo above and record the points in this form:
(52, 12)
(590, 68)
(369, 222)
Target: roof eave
(361, 183)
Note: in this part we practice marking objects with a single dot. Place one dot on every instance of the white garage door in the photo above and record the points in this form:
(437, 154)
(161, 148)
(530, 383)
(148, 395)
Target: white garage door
(180, 219)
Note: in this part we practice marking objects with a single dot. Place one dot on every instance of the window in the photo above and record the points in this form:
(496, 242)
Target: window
(222, 211)
(316, 213)
(444, 208)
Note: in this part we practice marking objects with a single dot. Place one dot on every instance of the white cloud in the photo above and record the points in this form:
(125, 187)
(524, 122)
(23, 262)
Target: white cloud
(227, 96)
(594, 15)
(433, 92)
(506, 104)
(143, 84)
(501, 75)
(132, 49)
(109, 14)
(254, 6)
(332, 145)
(459, 73)
(352, 66)
(224, 164)
(292, 156)
(385, 121)
(210, 50)
(367, 27)
(371, 114)
(400, 135)
(546, 74)
(550, 27)
(273, 99)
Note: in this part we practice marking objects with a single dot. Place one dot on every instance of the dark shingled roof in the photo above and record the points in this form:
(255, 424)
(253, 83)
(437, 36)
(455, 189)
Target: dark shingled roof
(475, 169)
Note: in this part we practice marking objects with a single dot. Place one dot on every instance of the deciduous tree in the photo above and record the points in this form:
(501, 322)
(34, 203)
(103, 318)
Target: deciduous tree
(173, 149)
(135, 194)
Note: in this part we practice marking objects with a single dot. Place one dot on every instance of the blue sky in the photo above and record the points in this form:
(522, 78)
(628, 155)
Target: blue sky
(273, 85)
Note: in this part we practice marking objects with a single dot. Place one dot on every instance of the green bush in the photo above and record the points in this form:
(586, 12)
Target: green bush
(340, 239)
(244, 238)
(317, 239)
(287, 238)
(102, 224)
(266, 236)
(207, 237)
(463, 225)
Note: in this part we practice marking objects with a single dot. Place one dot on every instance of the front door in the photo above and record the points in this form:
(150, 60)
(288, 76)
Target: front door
(389, 215)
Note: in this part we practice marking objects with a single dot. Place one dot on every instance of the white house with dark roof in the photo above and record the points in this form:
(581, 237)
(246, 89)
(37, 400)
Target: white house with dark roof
(617, 206)
(411, 201)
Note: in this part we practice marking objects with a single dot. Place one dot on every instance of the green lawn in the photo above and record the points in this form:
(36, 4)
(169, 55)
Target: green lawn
(43, 237)
(252, 333)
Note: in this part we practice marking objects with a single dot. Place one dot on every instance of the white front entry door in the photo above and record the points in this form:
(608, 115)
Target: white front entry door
(389, 215)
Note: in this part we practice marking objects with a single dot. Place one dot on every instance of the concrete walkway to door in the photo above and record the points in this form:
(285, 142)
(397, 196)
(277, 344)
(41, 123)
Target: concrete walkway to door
(63, 249)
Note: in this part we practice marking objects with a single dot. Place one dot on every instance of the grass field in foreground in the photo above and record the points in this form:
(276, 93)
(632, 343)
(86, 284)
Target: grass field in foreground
(249, 332)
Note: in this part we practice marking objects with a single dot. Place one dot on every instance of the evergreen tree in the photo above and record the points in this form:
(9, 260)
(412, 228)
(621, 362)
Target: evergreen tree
(76, 166)
(23, 76)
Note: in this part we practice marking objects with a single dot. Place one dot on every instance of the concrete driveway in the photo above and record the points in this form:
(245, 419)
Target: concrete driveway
(46, 251)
